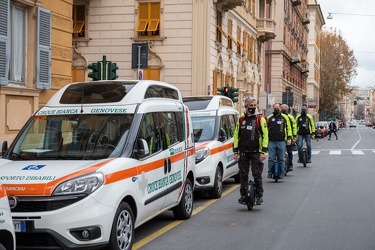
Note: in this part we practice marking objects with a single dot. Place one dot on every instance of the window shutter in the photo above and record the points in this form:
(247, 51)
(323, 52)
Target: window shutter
(4, 44)
(43, 59)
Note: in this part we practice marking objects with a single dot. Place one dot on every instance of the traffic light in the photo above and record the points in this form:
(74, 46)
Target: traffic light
(233, 94)
(112, 67)
(95, 73)
(226, 91)
(223, 91)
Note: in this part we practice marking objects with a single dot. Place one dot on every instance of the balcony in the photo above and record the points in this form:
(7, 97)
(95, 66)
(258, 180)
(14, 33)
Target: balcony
(229, 4)
(266, 29)
(306, 18)
(296, 57)
(305, 67)
(296, 2)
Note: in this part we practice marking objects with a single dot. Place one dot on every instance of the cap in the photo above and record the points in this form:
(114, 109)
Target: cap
(304, 107)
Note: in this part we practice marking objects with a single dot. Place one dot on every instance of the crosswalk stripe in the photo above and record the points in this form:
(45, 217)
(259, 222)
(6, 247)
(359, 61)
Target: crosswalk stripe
(357, 152)
(335, 152)
(315, 152)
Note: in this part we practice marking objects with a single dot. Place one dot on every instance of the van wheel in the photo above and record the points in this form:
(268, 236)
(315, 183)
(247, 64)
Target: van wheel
(218, 185)
(184, 209)
(237, 178)
(122, 232)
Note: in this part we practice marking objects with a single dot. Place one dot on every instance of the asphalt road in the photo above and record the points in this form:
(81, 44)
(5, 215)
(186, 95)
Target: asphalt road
(327, 205)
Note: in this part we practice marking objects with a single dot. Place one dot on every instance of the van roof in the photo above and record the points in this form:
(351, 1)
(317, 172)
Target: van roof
(113, 92)
(209, 102)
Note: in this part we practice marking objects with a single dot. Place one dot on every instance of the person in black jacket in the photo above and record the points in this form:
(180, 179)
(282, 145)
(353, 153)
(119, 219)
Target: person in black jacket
(332, 128)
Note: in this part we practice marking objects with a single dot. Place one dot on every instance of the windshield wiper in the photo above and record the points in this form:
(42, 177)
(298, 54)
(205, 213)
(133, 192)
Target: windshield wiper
(20, 155)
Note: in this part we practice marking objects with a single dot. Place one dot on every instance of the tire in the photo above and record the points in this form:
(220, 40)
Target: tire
(122, 232)
(217, 191)
(184, 209)
(2, 247)
(304, 158)
(250, 201)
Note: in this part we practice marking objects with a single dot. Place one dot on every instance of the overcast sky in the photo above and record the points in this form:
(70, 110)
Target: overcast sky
(356, 21)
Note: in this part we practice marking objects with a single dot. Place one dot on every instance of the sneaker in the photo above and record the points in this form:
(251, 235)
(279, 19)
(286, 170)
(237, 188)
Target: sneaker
(290, 169)
(269, 176)
(337, 138)
(281, 176)
(242, 200)
(299, 161)
(259, 200)
(309, 160)
(329, 138)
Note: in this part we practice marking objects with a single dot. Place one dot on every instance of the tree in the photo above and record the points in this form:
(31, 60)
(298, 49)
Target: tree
(338, 67)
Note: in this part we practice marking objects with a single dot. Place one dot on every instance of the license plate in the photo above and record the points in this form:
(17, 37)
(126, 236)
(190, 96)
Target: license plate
(19, 225)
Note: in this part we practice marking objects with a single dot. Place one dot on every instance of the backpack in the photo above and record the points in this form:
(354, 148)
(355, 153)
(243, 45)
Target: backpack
(257, 122)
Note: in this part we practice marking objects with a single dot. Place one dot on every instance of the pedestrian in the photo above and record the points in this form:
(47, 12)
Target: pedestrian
(279, 135)
(293, 124)
(250, 148)
(305, 131)
(332, 128)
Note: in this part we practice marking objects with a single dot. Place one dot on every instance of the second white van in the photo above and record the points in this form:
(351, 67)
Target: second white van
(214, 121)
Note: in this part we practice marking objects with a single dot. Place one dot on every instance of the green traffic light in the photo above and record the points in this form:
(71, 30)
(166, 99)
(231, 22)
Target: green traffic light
(95, 73)
(112, 67)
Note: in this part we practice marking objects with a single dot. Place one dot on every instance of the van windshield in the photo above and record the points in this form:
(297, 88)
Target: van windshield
(82, 136)
(203, 127)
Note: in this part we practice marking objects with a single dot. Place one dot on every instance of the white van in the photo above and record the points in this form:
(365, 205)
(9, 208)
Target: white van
(100, 159)
(7, 235)
(214, 121)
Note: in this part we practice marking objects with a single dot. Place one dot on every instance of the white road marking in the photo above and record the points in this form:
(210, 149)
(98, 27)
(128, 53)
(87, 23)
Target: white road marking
(357, 152)
(334, 152)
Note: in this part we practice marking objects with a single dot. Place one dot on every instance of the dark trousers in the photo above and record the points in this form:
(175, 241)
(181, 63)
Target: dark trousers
(247, 159)
(289, 150)
(330, 132)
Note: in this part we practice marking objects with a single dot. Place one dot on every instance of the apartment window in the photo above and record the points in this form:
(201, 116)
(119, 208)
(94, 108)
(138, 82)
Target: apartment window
(230, 37)
(238, 39)
(148, 20)
(17, 42)
(79, 21)
(219, 30)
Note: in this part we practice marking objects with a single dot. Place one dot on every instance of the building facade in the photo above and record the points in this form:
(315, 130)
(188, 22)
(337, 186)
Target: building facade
(35, 58)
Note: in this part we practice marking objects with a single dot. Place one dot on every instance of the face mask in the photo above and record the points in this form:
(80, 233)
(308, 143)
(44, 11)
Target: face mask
(276, 111)
(251, 110)
(303, 113)
(285, 112)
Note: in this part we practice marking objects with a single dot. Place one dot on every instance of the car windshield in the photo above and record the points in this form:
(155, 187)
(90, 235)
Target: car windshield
(203, 128)
(82, 136)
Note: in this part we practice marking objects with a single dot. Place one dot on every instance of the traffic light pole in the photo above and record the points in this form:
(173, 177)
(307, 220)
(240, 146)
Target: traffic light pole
(104, 67)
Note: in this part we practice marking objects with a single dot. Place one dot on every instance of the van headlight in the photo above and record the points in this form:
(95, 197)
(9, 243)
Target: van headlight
(201, 154)
(86, 184)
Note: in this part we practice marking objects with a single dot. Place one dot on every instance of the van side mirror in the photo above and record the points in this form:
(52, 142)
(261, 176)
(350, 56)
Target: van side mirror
(222, 135)
(142, 149)
(4, 147)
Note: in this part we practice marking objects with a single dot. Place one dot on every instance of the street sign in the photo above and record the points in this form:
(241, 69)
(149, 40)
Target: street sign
(139, 55)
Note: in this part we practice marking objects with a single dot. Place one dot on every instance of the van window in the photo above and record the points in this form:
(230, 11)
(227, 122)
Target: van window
(85, 93)
(203, 128)
(161, 130)
(227, 124)
(80, 136)
(162, 92)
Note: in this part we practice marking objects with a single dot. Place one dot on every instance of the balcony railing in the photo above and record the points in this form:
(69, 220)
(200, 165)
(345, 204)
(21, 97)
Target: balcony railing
(229, 4)
(296, 57)
(305, 67)
(296, 2)
(266, 28)
(306, 18)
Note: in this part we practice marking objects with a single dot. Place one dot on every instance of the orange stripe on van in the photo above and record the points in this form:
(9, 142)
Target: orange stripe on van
(221, 148)
(2, 192)
(47, 188)
(202, 145)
